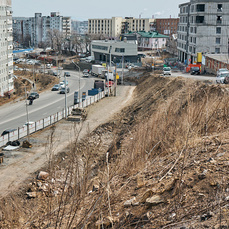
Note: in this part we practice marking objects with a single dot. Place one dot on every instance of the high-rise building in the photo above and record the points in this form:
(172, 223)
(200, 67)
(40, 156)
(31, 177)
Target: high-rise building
(6, 47)
(203, 27)
(37, 28)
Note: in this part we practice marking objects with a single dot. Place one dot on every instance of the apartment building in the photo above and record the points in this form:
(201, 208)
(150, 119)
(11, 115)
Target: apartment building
(167, 26)
(80, 27)
(38, 27)
(117, 25)
(203, 27)
(6, 47)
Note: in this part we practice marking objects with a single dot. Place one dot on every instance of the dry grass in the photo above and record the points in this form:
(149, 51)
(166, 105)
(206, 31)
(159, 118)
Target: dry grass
(163, 143)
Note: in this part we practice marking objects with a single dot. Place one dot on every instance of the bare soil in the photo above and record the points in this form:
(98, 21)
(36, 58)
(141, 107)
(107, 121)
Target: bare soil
(162, 162)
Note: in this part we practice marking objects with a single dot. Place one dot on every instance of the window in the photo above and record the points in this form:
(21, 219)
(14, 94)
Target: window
(218, 30)
(100, 47)
(219, 19)
(119, 50)
(220, 8)
(199, 19)
(217, 50)
(200, 7)
(217, 40)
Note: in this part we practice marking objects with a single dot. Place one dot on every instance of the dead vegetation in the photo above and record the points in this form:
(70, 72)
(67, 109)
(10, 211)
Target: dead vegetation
(162, 163)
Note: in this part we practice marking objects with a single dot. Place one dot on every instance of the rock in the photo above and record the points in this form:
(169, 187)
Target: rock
(227, 198)
(154, 200)
(136, 204)
(31, 194)
(39, 184)
(1, 216)
(128, 203)
(140, 182)
(147, 194)
(202, 175)
(220, 154)
(42, 175)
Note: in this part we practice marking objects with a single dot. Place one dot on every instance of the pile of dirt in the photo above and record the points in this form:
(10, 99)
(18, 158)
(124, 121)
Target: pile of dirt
(161, 163)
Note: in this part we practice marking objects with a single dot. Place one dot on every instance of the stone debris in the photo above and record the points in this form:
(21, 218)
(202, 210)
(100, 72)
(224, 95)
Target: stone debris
(130, 202)
(42, 175)
(154, 200)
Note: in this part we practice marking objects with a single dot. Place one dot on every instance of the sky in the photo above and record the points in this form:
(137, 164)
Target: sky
(85, 9)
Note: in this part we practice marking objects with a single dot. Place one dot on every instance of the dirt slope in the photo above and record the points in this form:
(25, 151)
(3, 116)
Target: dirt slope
(161, 163)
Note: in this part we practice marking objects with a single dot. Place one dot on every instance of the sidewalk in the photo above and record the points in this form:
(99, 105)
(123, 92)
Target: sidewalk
(20, 164)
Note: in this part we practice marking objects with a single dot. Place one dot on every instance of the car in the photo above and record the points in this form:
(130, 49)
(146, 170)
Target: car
(62, 90)
(33, 95)
(7, 131)
(65, 82)
(195, 71)
(85, 71)
(220, 70)
(85, 74)
(62, 84)
(67, 74)
(55, 73)
(167, 71)
(56, 87)
(29, 123)
(223, 77)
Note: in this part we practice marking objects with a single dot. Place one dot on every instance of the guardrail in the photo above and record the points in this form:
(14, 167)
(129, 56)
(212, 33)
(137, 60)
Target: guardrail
(50, 120)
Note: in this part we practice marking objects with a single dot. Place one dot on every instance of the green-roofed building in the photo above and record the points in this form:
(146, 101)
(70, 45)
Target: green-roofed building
(151, 40)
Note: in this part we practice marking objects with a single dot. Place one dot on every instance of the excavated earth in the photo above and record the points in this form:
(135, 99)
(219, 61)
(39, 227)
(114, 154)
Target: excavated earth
(162, 162)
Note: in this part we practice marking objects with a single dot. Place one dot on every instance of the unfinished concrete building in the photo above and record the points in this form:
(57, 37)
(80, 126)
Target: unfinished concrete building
(203, 27)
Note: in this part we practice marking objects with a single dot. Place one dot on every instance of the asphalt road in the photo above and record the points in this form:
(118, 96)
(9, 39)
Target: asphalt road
(13, 115)
(196, 77)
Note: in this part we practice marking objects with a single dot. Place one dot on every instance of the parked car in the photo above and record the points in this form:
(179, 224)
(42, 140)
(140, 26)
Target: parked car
(55, 73)
(195, 71)
(167, 71)
(56, 87)
(62, 90)
(7, 131)
(67, 74)
(223, 77)
(33, 95)
(220, 70)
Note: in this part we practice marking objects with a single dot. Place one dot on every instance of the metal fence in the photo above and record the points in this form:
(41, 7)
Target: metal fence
(41, 124)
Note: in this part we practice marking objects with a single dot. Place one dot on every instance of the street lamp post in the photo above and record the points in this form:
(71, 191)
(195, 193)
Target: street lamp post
(79, 77)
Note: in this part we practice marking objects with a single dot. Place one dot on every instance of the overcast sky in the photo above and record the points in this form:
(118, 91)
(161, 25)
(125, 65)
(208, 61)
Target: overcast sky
(84, 9)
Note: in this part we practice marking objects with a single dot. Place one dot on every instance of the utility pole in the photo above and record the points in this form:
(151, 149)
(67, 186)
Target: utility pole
(65, 92)
(122, 69)
(27, 115)
(79, 77)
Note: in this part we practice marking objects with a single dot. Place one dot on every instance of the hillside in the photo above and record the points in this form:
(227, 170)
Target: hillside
(161, 163)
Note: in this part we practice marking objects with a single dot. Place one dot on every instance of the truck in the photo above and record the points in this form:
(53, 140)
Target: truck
(97, 70)
(111, 73)
(99, 84)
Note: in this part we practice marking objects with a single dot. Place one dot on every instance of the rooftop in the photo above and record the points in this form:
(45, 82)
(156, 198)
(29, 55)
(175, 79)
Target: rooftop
(152, 35)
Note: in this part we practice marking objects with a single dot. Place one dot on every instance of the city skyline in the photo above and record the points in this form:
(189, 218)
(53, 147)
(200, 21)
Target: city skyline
(86, 9)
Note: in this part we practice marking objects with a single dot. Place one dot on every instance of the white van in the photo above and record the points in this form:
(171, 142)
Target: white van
(167, 71)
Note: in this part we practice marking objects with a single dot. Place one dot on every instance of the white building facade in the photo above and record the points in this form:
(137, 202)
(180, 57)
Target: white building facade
(115, 26)
(6, 47)
(203, 27)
